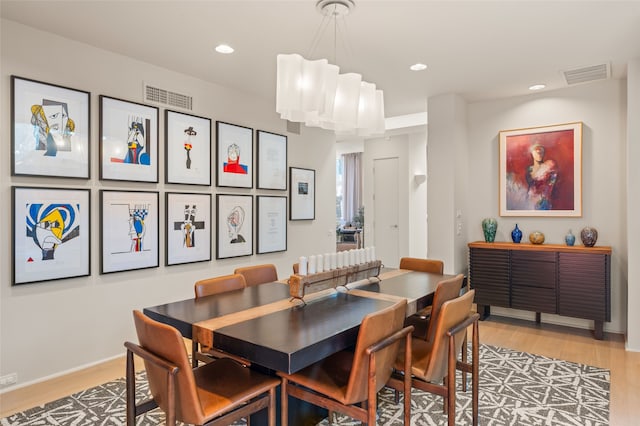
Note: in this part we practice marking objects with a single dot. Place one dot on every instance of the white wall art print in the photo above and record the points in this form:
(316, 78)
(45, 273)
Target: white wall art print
(234, 149)
(129, 225)
(187, 149)
(235, 225)
(272, 161)
(188, 229)
(272, 224)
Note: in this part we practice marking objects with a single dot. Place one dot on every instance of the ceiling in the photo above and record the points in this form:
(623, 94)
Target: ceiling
(478, 49)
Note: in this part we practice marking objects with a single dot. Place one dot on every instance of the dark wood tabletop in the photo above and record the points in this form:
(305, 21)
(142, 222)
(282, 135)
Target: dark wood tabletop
(262, 323)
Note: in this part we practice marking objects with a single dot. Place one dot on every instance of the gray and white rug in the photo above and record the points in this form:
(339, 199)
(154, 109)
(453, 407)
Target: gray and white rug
(516, 388)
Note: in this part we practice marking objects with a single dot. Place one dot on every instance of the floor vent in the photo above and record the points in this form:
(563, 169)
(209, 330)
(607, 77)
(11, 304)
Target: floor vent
(167, 97)
(587, 74)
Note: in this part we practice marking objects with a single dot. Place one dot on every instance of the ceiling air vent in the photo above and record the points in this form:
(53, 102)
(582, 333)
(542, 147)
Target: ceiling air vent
(167, 97)
(587, 74)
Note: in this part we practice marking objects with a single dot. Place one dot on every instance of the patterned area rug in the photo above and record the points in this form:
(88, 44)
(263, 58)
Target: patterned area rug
(516, 388)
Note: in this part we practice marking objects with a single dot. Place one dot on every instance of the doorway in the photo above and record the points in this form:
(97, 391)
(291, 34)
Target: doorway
(386, 229)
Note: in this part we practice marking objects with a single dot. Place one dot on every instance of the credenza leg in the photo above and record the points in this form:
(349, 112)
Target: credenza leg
(598, 329)
(484, 311)
(538, 317)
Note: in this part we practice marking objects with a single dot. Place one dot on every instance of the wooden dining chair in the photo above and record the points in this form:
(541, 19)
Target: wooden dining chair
(434, 362)
(347, 378)
(258, 274)
(419, 320)
(445, 290)
(220, 392)
(208, 287)
(217, 285)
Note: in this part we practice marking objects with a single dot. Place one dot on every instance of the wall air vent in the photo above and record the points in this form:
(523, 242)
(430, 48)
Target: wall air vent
(293, 127)
(167, 97)
(587, 74)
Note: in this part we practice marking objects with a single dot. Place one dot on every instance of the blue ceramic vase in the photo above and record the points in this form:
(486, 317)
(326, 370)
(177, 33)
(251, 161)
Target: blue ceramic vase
(570, 239)
(489, 228)
(516, 234)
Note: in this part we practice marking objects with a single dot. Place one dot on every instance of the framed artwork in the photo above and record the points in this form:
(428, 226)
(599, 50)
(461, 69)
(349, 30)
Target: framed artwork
(541, 171)
(272, 161)
(188, 218)
(235, 225)
(302, 194)
(129, 225)
(51, 234)
(234, 148)
(272, 224)
(187, 148)
(50, 130)
(128, 141)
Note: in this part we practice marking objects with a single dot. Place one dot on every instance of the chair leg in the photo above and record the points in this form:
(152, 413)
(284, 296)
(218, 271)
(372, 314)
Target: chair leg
(464, 360)
(445, 400)
(372, 399)
(131, 390)
(407, 381)
(284, 402)
(194, 351)
(451, 382)
(475, 379)
(272, 408)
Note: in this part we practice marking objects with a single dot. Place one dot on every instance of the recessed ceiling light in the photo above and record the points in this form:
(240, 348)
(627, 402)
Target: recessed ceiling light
(537, 87)
(418, 67)
(224, 48)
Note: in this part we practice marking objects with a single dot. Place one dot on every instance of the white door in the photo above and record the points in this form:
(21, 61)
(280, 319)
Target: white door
(386, 210)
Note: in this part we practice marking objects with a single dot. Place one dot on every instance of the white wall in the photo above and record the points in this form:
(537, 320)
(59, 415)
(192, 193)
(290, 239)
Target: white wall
(75, 322)
(601, 106)
(633, 204)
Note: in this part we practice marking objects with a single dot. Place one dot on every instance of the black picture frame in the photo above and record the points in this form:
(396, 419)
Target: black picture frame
(271, 224)
(271, 167)
(187, 148)
(188, 227)
(302, 194)
(234, 216)
(234, 155)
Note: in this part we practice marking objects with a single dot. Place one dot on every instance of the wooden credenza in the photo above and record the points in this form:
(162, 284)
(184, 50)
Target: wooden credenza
(551, 278)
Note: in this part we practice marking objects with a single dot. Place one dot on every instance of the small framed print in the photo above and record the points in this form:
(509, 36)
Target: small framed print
(272, 224)
(188, 149)
(129, 225)
(188, 218)
(272, 161)
(541, 171)
(302, 194)
(51, 234)
(128, 141)
(234, 148)
(235, 225)
(50, 130)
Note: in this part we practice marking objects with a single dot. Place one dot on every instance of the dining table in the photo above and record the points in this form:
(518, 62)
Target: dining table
(275, 332)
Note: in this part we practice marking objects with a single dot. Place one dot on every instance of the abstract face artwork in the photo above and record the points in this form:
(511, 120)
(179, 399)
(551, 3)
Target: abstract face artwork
(52, 127)
(189, 225)
(137, 215)
(137, 144)
(232, 165)
(51, 225)
(188, 145)
(235, 220)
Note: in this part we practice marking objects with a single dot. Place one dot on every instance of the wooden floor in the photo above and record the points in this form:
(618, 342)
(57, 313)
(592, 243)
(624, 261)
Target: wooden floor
(543, 339)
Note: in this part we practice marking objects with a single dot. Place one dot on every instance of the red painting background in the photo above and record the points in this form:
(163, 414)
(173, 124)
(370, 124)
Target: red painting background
(559, 147)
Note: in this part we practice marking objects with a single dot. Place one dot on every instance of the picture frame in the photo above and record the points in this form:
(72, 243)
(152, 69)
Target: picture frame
(187, 148)
(235, 225)
(51, 233)
(541, 171)
(128, 140)
(50, 130)
(302, 194)
(234, 154)
(272, 161)
(188, 228)
(129, 230)
(272, 224)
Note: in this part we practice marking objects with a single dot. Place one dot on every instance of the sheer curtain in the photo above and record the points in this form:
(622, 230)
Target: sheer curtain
(352, 185)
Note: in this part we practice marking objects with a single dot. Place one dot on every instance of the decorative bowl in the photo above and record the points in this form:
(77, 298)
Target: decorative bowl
(536, 237)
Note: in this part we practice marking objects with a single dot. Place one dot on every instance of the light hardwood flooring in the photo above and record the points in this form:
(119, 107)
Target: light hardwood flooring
(543, 339)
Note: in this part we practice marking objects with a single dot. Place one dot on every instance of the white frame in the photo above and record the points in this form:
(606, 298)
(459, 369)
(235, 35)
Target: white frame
(176, 154)
(181, 248)
(69, 258)
(271, 224)
(119, 251)
(226, 135)
(272, 161)
(302, 194)
(115, 119)
(226, 247)
(28, 160)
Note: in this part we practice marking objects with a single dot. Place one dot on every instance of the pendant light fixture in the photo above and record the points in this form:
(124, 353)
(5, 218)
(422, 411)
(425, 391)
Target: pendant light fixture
(314, 92)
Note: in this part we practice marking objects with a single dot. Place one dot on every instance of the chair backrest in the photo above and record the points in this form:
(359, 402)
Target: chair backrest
(296, 268)
(422, 265)
(445, 290)
(374, 328)
(452, 313)
(220, 284)
(258, 274)
(166, 342)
